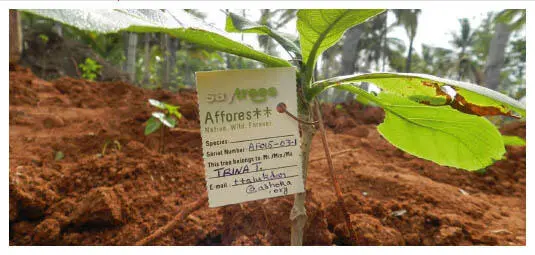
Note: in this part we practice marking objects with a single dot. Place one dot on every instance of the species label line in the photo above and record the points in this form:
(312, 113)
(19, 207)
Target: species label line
(250, 150)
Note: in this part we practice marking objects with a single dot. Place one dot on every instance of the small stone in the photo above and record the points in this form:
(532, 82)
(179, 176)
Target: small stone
(464, 192)
(399, 213)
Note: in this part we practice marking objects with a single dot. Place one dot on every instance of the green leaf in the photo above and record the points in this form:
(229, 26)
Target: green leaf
(435, 91)
(321, 29)
(153, 124)
(157, 104)
(171, 121)
(513, 140)
(177, 23)
(237, 23)
(164, 119)
(59, 156)
(440, 134)
(173, 110)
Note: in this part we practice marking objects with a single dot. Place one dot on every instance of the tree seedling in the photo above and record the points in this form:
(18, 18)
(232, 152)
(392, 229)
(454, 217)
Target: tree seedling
(106, 144)
(427, 116)
(162, 120)
(90, 69)
(59, 155)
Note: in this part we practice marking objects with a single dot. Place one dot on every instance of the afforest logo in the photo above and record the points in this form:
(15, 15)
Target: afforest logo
(255, 95)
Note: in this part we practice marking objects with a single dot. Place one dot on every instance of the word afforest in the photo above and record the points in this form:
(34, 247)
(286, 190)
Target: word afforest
(219, 117)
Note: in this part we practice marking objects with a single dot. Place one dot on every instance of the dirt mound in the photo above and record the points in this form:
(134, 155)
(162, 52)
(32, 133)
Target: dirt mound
(66, 189)
(345, 116)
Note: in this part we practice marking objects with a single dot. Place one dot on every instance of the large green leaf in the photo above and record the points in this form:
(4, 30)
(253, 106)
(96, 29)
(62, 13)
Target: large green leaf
(434, 91)
(237, 23)
(177, 23)
(321, 29)
(440, 134)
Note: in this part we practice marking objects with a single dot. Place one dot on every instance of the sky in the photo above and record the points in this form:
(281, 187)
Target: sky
(434, 26)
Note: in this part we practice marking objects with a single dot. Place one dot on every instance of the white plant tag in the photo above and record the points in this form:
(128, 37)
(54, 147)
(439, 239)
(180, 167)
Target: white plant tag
(250, 150)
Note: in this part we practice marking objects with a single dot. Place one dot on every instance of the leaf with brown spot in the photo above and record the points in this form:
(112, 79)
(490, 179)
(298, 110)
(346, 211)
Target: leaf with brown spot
(428, 89)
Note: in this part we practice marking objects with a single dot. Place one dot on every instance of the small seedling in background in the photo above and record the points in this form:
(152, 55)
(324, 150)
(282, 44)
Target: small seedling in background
(168, 118)
(115, 142)
(44, 38)
(90, 69)
(58, 155)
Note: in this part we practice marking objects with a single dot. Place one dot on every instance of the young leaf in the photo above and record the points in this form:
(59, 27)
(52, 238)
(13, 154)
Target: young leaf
(153, 124)
(513, 140)
(59, 155)
(440, 134)
(157, 104)
(237, 23)
(321, 29)
(173, 110)
(177, 23)
(435, 91)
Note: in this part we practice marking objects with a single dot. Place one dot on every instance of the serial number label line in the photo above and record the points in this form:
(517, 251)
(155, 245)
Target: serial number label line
(261, 138)
(274, 179)
(262, 170)
(270, 148)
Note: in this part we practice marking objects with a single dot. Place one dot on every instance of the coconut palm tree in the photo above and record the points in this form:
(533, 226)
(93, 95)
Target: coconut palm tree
(408, 18)
(463, 42)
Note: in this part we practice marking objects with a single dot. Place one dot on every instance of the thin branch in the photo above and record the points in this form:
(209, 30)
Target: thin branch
(338, 191)
(334, 154)
(186, 211)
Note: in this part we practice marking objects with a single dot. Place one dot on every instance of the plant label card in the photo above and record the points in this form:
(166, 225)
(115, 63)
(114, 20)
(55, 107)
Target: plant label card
(250, 150)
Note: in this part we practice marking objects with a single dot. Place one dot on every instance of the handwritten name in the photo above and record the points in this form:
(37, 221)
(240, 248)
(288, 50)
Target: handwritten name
(230, 171)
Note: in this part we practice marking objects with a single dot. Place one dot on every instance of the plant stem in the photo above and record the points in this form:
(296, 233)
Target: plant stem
(338, 191)
(298, 215)
(161, 139)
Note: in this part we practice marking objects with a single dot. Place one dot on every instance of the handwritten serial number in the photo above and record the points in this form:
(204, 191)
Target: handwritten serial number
(272, 144)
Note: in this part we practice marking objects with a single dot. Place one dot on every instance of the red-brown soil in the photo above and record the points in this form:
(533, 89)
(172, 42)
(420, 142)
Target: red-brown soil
(118, 198)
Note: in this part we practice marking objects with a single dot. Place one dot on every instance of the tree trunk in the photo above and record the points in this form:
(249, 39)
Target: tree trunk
(15, 37)
(164, 46)
(130, 52)
(384, 36)
(57, 28)
(461, 61)
(409, 57)
(349, 58)
(173, 47)
(496, 56)
(350, 50)
(146, 61)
